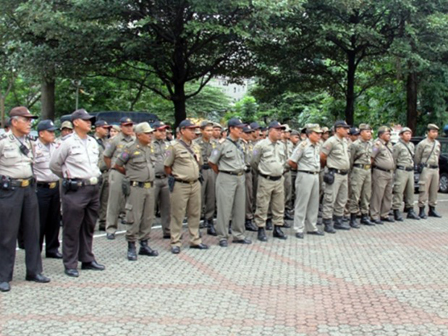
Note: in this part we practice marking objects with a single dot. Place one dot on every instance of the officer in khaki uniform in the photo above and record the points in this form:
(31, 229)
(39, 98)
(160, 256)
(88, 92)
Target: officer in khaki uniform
(208, 199)
(137, 163)
(102, 129)
(288, 182)
(335, 156)
(427, 154)
(116, 202)
(159, 146)
(306, 160)
(404, 175)
(269, 160)
(382, 177)
(255, 138)
(228, 162)
(361, 176)
(18, 201)
(183, 160)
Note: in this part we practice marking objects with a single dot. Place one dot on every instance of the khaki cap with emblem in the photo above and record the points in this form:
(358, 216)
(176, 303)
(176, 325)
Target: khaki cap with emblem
(325, 129)
(432, 127)
(405, 129)
(383, 129)
(364, 127)
(143, 128)
(206, 123)
(66, 124)
(313, 128)
(287, 128)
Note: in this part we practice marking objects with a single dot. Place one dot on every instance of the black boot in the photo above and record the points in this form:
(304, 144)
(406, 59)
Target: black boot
(339, 224)
(203, 224)
(288, 216)
(250, 226)
(132, 252)
(412, 214)
(262, 235)
(422, 213)
(366, 220)
(146, 250)
(353, 222)
(278, 233)
(397, 215)
(211, 231)
(433, 213)
(328, 226)
(286, 225)
(269, 224)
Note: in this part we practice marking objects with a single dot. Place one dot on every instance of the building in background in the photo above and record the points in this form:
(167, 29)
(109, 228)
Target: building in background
(234, 91)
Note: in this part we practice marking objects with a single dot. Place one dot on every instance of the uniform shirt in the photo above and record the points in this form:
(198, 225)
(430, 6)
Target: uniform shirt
(288, 151)
(382, 154)
(207, 147)
(13, 163)
(248, 147)
(307, 156)
(269, 157)
(76, 158)
(404, 154)
(184, 166)
(101, 147)
(116, 146)
(138, 161)
(361, 152)
(229, 156)
(423, 150)
(42, 157)
(158, 151)
(337, 153)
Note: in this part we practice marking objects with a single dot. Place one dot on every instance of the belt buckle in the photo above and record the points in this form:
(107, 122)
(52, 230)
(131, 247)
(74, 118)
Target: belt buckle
(147, 185)
(367, 167)
(191, 182)
(25, 183)
(240, 174)
(52, 185)
(93, 180)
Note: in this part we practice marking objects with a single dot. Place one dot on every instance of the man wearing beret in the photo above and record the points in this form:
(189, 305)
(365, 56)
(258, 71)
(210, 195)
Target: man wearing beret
(427, 155)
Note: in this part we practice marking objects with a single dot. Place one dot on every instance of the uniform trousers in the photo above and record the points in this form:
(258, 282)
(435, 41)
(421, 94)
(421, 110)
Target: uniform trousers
(403, 185)
(293, 189)
(272, 193)
(49, 218)
(208, 193)
(428, 187)
(116, 201)
(141, 204)
(230, 200)
(19, 208)
(335, 197)
(288, 189)
(381, 201)
(307, 202)
(186, 198)
(162, 199)
(361, 190)
(79, 219)
(104, 197)
(249, 195)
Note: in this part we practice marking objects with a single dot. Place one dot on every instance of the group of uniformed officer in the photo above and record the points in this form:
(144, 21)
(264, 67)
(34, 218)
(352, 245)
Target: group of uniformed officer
(249, 180)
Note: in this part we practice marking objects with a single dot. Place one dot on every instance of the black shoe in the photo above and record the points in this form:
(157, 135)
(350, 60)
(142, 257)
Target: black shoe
(110, 236)
(5, 287)
(316, 233)
(211, 231)
(203, 224)
(166, 236)
(328, 226)
(433, 213)
(286, 225)
(201, 246)
(345, 218)
(353, 222)
(73, 272)
(287, 216)
(262, 235)
(132, 252)
(377, 221)
(338, 224)
(299, 235)
(412, 214)
(278, 233)
(93, 266)
(53, 255)
(366, 221)
(102, 228)
(242, 241)
(250, 226)
(397, 215)
(269, 226)
(388, 219)
(37, 278)
(422, 213)
(146, 250)
(223, 243)
(175, 250)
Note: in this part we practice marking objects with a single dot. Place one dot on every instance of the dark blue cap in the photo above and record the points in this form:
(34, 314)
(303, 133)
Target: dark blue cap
(248, 129)
(354, 131)
(102, 123)
(46, 125)
(187, 124)
(341, 123)
(276, 124)
(255, 126)
(159, 125)
(126, 121)
(82, 114)
(235, 122)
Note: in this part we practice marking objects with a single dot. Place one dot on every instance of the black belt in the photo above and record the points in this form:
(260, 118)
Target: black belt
(232, 173)
(308, 172)
(145, 185)
(206, 167)
(22, 183)
(160, 176)
(47, 185)
(363, 166)
(87, 182)
(185, 182)
(382, 169)
(430, 166)
(294, 170)
(339, 171)
(405, 168)
(271, 178)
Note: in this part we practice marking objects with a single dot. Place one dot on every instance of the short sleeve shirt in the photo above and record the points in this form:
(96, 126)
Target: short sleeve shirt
(269, 157)
(42, 157)
(229, 156)
(138, 161)
(14, 163)
(183, 164)
(115, 146)
(307, 157)
(403, 154)
(337, 153)
(423, 152)
(382, 154)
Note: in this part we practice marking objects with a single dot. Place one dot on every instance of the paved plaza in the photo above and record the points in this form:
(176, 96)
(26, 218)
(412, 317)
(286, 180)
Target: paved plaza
(384, 280)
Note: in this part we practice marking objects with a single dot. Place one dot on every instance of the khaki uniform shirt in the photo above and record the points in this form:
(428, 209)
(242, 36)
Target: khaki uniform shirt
(42, 159)
(183, 165)
(101, 146)
(158, 151)
(206, 147)
(404, 154)
(229, 156)
(248, 147)
(307, 156)
(139, 162)
(337, 153)
(383, 155)
(116, 146)
(423, 150)
(76, 158)
(361, 152)
(13, 163)
(269, 157)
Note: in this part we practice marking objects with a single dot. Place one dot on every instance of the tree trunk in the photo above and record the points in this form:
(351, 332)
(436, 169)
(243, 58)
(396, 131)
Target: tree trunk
(411, 101)
(47, 99)
(2, 110)
(350, 96)
(179, 100)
